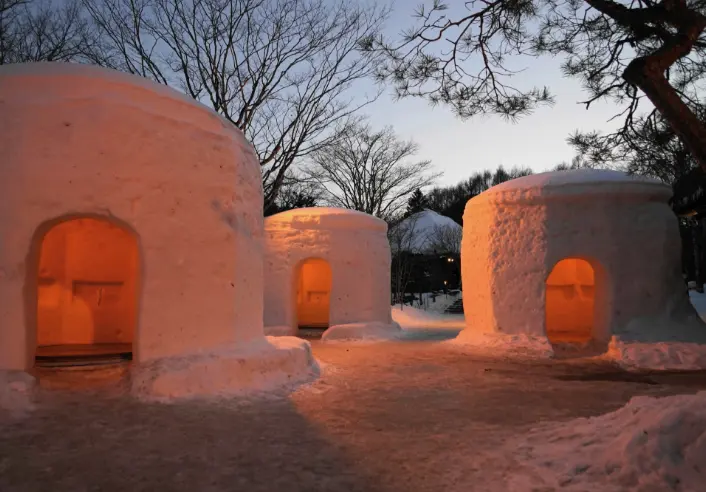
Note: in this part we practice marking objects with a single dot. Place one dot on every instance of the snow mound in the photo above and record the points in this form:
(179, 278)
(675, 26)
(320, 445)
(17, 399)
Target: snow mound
(698, 300)
(409, 317)
(651, 444)
(372, 331)
(659, 356)
(270, 365)
(674, 341)
(16, 392)
(421, 228)
(279, 331)
(501, 344)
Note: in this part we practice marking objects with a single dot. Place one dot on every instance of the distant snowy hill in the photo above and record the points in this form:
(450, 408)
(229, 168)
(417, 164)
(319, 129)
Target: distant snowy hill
(422, 232)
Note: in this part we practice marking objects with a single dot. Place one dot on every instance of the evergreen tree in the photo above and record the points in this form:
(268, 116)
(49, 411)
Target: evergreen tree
(624, 52)
(451, 200)
(417, 202)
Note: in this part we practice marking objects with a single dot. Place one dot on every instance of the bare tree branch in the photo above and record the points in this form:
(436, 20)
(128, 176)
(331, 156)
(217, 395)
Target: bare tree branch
(42, 30)
(401, 235)
(369, 171)
(445, 239)
(622, 50)
(280, 70)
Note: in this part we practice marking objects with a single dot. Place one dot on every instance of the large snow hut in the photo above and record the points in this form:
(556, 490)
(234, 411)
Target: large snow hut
(131, 223)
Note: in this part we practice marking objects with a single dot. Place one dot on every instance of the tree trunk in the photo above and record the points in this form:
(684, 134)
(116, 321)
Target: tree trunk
(648, 73)
(649, 77)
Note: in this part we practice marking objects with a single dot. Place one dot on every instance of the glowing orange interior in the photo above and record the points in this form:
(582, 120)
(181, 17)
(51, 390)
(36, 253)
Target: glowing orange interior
(87, 285)
(570, 299)
(313, 293)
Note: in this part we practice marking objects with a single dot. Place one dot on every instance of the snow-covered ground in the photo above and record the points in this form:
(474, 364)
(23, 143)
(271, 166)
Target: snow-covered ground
(396, 417)
(392, 417)
(433, 303)
(699, 303)
(413, 318)
(430, 322)
(650, 444)
(663, 355)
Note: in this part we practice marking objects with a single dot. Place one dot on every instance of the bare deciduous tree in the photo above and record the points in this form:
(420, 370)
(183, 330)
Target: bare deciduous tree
(445, 239)
(621, 50)
(402, 237)
(280, 70)
(295, 193)
(369, 171)
(42, 30)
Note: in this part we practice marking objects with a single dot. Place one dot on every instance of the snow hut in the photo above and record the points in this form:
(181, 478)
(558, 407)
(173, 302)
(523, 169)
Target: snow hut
(131, 222)
(575, 257)
(328, 268)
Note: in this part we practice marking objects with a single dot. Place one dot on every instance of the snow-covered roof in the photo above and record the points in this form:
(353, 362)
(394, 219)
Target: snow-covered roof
(115, 100)
(325, 218)
(64, 69)
(575, 183)
(422, 228)
(119, 81)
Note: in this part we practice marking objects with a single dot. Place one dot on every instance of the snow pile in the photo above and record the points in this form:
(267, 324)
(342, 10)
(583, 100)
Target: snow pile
(699, 302)
(651, 444)
(16, 388)
(261, 366)
(370, 331)
(502, 344)
(410, 318)
(418, 232)
(674, 341)
(658, 356)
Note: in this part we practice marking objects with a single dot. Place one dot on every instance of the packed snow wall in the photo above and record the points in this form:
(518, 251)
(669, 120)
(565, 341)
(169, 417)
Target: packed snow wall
(327, 268)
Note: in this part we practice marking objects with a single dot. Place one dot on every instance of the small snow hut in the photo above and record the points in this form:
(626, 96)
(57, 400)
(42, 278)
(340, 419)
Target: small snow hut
(575, 257)
(328, 268)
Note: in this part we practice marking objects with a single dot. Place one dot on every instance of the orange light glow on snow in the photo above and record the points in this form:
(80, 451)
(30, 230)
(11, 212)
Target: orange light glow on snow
(87, 284)
(569, 301)
(314, 293)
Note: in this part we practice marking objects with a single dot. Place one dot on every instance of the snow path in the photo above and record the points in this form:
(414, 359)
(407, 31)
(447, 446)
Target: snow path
(388, 417)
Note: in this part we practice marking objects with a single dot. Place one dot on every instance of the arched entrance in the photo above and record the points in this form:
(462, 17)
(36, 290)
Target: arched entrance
(313, 294)
(570, 301)
(87, 285)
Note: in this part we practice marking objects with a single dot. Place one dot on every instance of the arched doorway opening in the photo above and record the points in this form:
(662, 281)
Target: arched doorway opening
(313, 287)
(87, 291)
(570, 314)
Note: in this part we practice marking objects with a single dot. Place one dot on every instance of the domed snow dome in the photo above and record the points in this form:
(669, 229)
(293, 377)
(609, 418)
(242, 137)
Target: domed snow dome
(132, 223)
(328, 268)
(582, 256)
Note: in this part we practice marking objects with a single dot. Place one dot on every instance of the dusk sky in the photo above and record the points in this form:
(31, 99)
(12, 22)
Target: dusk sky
(458, 148)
